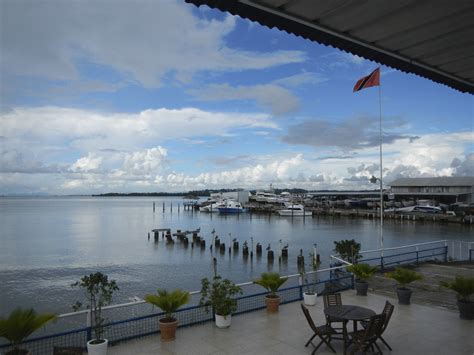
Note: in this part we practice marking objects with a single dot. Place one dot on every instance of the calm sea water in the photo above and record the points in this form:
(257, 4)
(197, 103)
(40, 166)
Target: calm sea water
(48, 243)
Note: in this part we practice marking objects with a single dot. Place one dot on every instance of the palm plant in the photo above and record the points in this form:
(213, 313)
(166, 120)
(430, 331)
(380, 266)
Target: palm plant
(463, 286)
(271, 281)
(169, 302)
(362, 271)
(404, 276)
(20, 324)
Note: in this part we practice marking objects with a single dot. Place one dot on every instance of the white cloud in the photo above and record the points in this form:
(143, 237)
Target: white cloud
(89, 131)
(276, 98)
(143, 41)
(144, 162)
(90, 163)
(301, 79)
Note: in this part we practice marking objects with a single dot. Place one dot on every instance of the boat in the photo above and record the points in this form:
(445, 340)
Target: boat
(212, 207)
(232, 206)
(417, 208)
(294, 210)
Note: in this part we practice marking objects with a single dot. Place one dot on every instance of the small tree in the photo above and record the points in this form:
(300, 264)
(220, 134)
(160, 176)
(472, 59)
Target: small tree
(20, 324)
(271, 281)
(220, 295)
(348, 250)
(310, 286)
(98, 292)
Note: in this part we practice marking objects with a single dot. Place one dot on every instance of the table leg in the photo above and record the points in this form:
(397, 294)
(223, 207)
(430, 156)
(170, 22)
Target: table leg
(345, 336)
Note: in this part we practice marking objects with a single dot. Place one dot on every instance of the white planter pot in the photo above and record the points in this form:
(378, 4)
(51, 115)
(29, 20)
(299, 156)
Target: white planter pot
(97, 349)
(223, 321)
(310, 299)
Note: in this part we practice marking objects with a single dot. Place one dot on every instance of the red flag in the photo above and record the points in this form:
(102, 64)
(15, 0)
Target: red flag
(373, 79)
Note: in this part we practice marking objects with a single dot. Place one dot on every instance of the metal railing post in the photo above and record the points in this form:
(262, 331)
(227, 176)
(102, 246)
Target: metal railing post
(300, 283)
(89, 324)
(417, 260)
(446, 253)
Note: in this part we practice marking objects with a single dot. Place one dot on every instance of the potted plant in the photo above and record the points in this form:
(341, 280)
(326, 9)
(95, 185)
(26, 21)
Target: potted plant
(98, 292)
(362, 273)
(404, 276)
(348, 250)
(169, 302)
(310, 296)
(20, 324)
(220, 295)
(271, 281)
(464, 288)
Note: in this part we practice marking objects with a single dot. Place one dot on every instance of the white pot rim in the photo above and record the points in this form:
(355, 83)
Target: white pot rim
(102, 342)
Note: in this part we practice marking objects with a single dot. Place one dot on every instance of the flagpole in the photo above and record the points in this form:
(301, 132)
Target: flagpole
(381, 170)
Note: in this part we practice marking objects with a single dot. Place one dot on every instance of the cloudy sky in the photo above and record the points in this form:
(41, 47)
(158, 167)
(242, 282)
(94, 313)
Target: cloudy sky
(162, 96)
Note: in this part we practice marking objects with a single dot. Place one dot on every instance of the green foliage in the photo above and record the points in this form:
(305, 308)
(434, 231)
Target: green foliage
(169, 302)
(463, 286)
(404, 276)
(271, 281)
(21, 323)
(98, 292)
(219, 294)
(362, 271)
(348, 250)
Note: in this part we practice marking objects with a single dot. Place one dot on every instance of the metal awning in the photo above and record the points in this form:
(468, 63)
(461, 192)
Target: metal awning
(431, 38)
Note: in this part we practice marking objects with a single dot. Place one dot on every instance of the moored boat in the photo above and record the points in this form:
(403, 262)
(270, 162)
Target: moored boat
(294, 210)
(232, 207)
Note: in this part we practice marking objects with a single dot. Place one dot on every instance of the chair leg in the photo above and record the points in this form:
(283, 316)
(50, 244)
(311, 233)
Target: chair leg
(309, 341)
(385, 343)
(325, 341)
(380, 351)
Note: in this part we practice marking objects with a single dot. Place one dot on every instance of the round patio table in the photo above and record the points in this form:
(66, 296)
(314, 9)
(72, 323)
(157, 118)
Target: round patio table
(347, 313)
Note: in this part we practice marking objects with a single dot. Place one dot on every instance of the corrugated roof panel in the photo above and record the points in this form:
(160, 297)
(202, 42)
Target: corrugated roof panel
(371, 21)
(437, 181)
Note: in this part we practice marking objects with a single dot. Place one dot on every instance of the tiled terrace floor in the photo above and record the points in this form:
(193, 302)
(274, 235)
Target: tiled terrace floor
(413, 329)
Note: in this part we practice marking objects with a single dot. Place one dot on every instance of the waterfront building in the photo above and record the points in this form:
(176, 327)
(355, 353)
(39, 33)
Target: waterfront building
(443, 189)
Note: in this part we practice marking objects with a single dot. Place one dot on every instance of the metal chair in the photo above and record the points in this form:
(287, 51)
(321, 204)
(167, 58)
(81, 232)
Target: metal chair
(363, 339)
(333, 299)
(387, 310)
(324, 332)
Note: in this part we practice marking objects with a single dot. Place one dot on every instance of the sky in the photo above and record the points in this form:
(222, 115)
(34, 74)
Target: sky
(152, 96)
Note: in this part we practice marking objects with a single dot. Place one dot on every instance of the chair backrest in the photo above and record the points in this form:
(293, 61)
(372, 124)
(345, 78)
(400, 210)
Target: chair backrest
(387, 310)
(332, 299)
(374, 328)
(309, 318)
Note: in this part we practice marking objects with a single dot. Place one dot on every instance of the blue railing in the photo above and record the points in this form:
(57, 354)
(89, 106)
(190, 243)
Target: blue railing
(132, 328)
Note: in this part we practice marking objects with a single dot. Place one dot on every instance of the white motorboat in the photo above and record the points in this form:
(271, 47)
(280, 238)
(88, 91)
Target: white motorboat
(294, 210)
(212, 207)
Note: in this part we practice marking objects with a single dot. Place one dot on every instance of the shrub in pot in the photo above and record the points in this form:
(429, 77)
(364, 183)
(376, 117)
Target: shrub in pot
(169, 302)
(220, 295)
(404, 276)
(98, 291)
(20, 324)
(464, 288)
(362, 273)
(271, 281)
